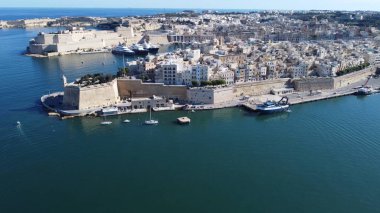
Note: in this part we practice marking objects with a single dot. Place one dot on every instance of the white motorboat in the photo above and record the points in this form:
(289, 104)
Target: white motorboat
(106, 123)
(183, 120)
(126, 121)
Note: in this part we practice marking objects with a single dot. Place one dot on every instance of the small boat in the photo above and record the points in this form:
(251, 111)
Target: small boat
(151, 121)
(18, 123)
(364, 91)
(123, 50)
(139, 50)
(183, 120)
(270, 107)
(126, 121)
(106, 122)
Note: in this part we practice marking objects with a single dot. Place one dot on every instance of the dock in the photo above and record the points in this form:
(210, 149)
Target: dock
(250, 106)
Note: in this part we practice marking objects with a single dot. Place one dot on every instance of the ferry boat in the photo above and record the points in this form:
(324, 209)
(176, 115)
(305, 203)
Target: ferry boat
(109, 111)
(150, 47)
(270, 107)
(139, 50)
(123, 50)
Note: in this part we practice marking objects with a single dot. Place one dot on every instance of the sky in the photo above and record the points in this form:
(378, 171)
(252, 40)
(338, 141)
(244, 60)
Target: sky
(202, 4)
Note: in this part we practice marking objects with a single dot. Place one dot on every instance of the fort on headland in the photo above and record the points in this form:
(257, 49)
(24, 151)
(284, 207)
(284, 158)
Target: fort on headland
(134, 96)
(217, 60)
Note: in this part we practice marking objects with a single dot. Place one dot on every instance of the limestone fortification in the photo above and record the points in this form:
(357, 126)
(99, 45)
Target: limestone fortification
(102, 95)
(308, 84)
(137, 89)
(74, 39)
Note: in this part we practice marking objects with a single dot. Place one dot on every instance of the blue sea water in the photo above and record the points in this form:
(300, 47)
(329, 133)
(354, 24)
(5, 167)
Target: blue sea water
(321, 157)
(27, 13)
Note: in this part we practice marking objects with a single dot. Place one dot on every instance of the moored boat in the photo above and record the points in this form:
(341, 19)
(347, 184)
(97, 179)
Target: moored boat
(139, 50)
(150, 47)
(123, 50)
(183, 120)
(364, 91)
(270, 107)
(106, 122)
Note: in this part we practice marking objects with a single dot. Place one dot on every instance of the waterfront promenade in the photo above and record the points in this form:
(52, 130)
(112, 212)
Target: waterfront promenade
(304, 97)
(298, 97)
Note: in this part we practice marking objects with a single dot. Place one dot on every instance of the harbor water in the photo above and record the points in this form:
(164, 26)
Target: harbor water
(321, 157)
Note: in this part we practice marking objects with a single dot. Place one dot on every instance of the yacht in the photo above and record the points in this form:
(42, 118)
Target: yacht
(150, 47)
(151, 121)
(273, 107)
(123, 50)
(139, 50)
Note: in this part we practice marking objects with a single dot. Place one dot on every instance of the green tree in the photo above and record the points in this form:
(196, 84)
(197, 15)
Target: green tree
(205, 83)
(195, 83)
(122, 72)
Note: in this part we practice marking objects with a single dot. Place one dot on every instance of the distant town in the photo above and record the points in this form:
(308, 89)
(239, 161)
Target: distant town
(212, 59)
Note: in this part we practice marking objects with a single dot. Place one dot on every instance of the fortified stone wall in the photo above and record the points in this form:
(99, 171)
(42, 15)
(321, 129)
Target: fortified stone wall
(98, 95)
(260, 87)
(223, 95)
(313, 84)
(158, 38)
(348, 79)
(67, 42)
(71, 97)
(210, 95)
(137, 88)
(42, 48)
(91, 44)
